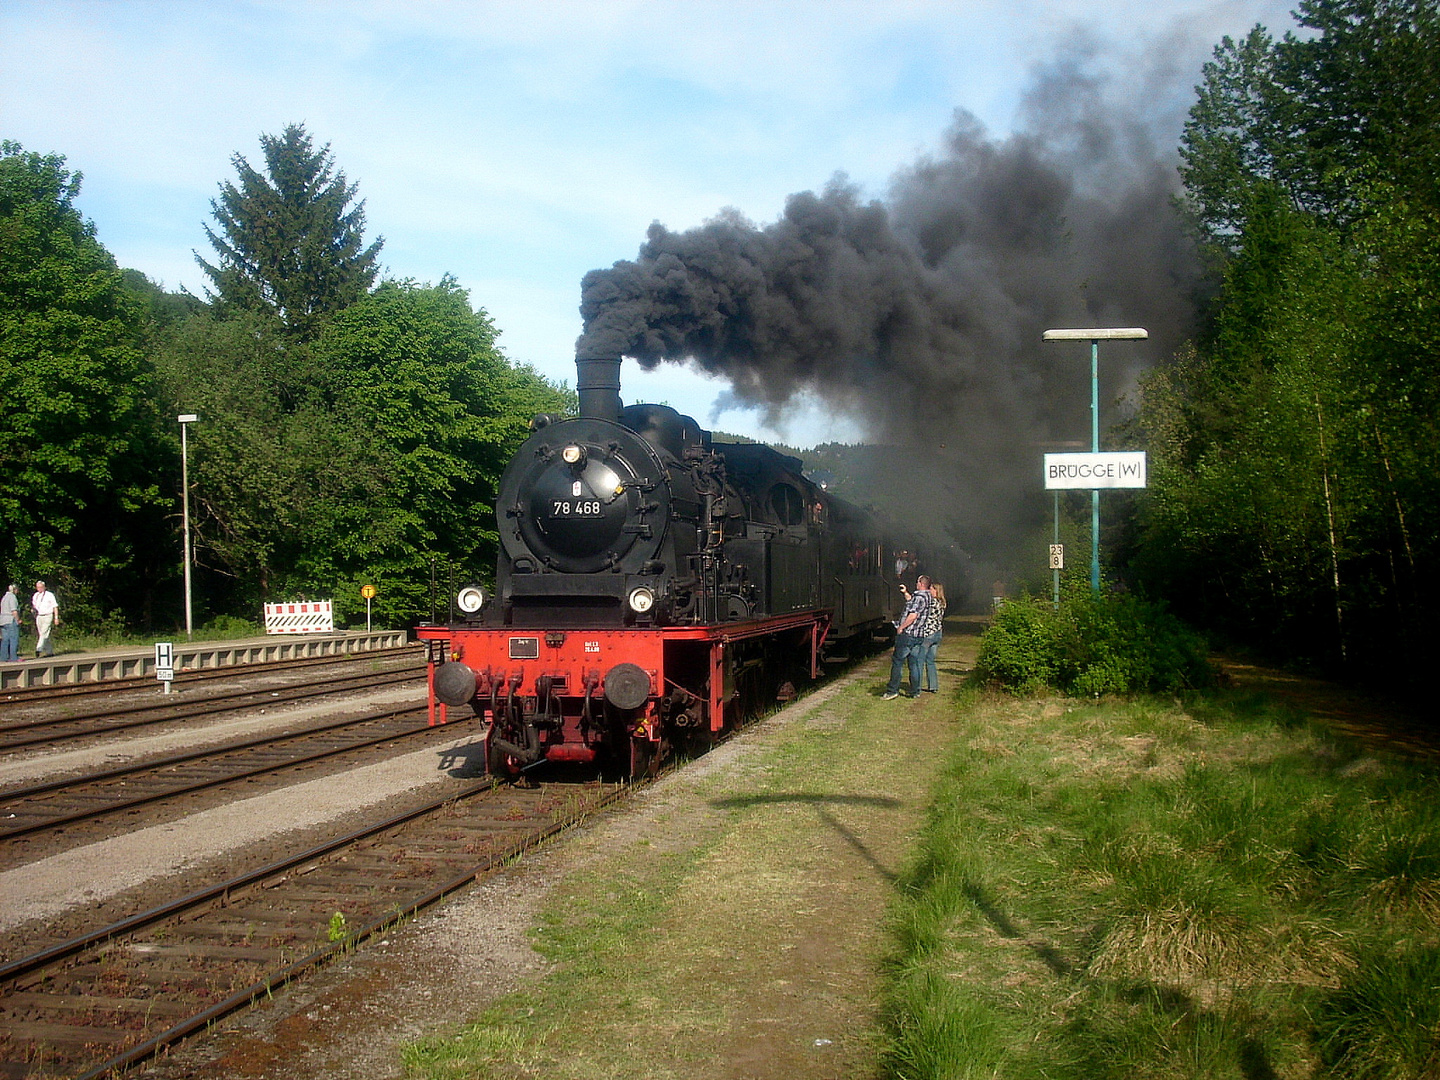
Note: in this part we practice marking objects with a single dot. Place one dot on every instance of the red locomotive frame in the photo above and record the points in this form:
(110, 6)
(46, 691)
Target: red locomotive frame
(696, 679)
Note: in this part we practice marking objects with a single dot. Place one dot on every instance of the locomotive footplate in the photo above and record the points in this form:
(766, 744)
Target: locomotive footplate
(582, 694)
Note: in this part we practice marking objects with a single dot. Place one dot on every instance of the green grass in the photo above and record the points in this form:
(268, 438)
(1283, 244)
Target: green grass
(1141, 889)
(68, 640)
(738, 921)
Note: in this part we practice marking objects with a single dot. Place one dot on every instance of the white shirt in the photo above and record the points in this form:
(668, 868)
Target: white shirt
(45, 603)
(9, 608)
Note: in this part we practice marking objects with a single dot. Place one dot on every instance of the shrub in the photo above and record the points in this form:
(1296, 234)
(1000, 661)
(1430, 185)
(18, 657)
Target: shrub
(1105, 644)
(1020, 650)
(229, 625)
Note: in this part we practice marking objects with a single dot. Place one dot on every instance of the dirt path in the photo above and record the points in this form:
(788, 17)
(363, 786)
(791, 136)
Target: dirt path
(764, 871)
(1387, 724)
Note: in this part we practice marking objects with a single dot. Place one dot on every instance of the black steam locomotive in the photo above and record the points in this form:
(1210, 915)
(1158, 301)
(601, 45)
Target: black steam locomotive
(653, 585)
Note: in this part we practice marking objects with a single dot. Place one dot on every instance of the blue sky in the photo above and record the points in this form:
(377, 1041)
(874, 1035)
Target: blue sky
(518, 145)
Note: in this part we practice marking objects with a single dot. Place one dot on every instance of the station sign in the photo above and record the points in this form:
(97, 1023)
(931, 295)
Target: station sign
(1114, 469)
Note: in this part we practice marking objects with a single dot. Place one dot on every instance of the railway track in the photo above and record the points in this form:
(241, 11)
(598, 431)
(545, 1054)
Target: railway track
(81, 807)
(106, 720)
(57, 692)
(111, 997)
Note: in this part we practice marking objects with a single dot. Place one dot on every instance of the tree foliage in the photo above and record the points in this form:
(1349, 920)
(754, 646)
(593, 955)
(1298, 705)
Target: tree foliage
(78, 461)
(1293, 453)
(384, 457)
(348, 435)
(1319, 119)
(290, 243)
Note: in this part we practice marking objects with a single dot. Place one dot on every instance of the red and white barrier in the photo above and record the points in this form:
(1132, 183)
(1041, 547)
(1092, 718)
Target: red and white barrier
(308, 617)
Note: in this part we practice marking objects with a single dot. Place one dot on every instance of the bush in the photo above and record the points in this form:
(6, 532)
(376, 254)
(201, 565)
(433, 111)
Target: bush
(1105, 644)
(1020, 649)
(228, 626)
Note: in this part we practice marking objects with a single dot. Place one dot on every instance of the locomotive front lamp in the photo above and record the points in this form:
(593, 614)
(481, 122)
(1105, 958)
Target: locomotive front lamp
(471, 599)
(572, 454)
(641, 600)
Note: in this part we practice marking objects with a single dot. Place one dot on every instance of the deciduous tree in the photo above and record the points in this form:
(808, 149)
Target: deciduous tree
(1294, 456)
(78, 459)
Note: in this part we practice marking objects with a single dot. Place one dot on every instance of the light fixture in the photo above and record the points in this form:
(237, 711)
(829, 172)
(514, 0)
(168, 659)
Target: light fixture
(471, 599)
(572, 454)
(641, 600)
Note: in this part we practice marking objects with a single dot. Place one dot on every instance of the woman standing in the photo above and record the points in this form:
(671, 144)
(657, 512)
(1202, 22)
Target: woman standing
(936, 626)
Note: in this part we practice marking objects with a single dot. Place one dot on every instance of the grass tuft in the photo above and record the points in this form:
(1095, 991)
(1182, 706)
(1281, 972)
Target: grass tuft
(1384, 1022)
(1165, 888)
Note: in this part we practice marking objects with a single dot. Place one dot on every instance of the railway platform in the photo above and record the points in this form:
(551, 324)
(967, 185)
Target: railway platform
(101, 665)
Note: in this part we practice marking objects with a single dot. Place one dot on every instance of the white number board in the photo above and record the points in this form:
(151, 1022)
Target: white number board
(1115, 469)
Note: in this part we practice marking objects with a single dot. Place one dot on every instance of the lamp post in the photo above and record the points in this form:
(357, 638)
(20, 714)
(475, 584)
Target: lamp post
(1095, 335)
(186, 419)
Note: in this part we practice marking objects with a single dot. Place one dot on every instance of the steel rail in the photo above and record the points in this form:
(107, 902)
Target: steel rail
(320, 956)
(26, 964)
(228, 703)
(54, 691)
(142, 765)
(202, 785)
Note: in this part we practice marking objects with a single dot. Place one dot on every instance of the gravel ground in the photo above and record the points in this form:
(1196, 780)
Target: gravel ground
(103, 870)
(437, 972)
(37, 763)
(87, 875)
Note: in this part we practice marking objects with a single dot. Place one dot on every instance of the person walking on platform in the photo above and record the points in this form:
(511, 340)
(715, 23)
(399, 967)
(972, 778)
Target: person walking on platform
(931, 633)
(10, 625)
(47, 614)
(907, 643)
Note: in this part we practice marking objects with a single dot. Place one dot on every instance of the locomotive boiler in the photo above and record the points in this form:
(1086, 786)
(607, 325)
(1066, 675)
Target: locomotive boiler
(653, 586)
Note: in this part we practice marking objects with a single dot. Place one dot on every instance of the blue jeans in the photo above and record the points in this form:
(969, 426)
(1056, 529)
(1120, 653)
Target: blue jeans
(10, 642)
(908, 650)
(928, 644)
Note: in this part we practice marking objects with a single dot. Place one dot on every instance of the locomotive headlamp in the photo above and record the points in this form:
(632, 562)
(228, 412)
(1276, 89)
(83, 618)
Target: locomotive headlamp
(572, 454)
(471, 599)
(641, 600)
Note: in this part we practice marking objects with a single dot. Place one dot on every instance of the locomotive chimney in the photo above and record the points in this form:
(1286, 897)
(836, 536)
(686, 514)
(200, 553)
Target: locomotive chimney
(598, 384)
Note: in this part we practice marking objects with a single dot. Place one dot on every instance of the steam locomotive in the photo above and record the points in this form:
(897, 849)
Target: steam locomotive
(654, 585)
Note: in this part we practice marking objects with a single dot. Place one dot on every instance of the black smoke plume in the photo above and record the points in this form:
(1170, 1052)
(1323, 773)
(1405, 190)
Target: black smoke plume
(921, 315)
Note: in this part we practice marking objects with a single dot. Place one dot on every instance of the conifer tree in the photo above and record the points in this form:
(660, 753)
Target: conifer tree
(291, 242)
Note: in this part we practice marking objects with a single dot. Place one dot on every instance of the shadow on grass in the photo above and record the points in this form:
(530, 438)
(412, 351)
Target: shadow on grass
(822, 802)
(1049, 955)
(1251, 1058)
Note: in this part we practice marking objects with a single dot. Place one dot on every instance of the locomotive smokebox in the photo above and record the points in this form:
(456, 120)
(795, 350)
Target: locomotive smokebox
(598, 384)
